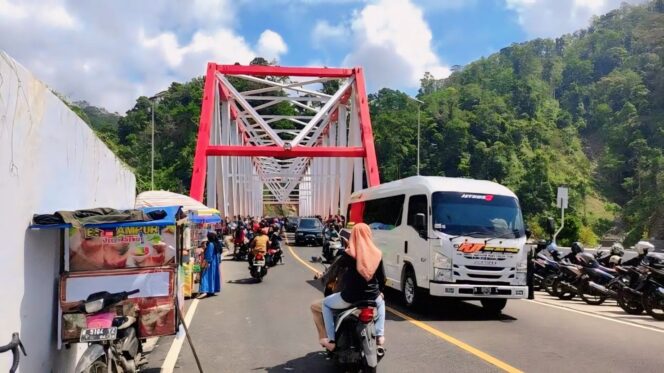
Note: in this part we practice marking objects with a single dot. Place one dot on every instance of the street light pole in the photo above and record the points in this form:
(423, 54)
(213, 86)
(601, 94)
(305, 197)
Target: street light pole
(152, 156)
(153, 100)
(419, 104)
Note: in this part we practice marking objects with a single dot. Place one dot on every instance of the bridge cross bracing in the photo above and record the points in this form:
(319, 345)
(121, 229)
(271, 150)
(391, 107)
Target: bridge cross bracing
(273, 135)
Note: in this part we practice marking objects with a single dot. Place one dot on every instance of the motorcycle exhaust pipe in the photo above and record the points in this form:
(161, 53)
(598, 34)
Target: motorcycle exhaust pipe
(602, 289)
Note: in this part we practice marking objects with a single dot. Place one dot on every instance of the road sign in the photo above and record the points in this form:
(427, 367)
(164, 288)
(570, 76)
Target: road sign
(562, 198)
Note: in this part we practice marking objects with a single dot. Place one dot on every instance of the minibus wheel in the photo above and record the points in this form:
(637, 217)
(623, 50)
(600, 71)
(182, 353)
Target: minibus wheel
(410, 291)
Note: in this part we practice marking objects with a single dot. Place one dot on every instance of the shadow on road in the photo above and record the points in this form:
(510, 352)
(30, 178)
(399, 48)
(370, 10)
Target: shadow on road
(311, 362)
(243, 281)
(439, 309)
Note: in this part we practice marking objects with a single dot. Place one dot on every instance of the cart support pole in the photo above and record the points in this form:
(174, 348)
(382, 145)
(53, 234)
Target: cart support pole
(186, 330)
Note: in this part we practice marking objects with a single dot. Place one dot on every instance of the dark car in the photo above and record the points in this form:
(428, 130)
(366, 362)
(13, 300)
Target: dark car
(309, 232)
(291, 224)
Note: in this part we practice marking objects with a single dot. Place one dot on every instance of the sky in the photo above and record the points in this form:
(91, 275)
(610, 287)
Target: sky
(111, 52)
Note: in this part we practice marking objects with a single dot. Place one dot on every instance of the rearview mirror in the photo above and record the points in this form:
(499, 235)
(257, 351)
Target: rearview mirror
(528, 233)
(550, 226)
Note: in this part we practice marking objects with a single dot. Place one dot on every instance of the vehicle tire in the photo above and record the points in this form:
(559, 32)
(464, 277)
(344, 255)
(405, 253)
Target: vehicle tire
(590, 295)
(629, 305)
(98, 366)
(547, 284)
(493, 306)
(409, 290)
(654, 305)
(561, 292)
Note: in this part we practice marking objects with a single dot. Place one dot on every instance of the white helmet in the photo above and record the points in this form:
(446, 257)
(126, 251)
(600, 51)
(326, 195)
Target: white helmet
(617, 249)
(643, 247)
(614, 260)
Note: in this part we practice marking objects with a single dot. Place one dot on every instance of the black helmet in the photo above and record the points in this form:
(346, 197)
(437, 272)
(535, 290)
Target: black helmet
(586, 259)
(577, 247)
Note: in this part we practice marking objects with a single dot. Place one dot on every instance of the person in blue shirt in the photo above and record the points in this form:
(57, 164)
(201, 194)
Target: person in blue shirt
(210, 278)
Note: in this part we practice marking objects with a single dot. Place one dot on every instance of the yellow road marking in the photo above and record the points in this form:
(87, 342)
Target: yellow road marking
(424, 326)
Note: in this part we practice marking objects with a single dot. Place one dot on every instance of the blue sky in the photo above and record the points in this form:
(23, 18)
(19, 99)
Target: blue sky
(111, 52)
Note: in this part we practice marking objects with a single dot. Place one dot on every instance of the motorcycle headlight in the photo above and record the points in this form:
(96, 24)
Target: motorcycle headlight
(94, 306)
(444, 275)
(441, 261)
(522, 266)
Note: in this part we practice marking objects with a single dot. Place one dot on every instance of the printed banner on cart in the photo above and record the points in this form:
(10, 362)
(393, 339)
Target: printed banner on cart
(121, 247)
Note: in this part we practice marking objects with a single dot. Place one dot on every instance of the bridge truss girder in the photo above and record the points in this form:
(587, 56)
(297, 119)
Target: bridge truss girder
(314, 156)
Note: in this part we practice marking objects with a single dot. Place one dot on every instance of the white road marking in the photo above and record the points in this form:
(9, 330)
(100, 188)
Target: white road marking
(176, 346)
(591, 314)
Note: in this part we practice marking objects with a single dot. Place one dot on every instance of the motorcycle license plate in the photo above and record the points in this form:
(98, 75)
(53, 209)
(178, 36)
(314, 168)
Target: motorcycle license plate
(259, 263)
(484, 290)
(99, 334)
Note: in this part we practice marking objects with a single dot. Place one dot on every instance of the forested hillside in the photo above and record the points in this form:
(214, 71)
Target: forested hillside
(584, 110)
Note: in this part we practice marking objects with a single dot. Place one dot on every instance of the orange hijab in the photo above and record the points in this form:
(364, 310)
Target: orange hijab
(362, 248)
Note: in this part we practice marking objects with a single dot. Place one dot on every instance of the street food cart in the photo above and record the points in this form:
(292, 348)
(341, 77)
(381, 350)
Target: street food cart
(116, 256)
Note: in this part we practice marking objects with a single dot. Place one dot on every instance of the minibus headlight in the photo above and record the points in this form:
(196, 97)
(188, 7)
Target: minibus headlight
(441, 261)
(444, 275)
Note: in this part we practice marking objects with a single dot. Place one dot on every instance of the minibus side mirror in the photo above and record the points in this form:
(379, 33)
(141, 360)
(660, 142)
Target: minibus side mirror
(528, 233)
(550, 226)
(420, 225)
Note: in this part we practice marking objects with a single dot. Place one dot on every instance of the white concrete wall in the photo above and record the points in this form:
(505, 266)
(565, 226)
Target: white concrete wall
(49, 160)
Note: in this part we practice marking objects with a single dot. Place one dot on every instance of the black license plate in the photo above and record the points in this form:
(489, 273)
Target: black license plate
(485, 290)
(99, 334)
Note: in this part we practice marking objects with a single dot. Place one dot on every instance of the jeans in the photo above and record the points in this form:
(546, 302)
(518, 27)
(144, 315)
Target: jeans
(335, 302)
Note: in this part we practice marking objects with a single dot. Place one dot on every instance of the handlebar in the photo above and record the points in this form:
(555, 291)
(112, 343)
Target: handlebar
(14, 346)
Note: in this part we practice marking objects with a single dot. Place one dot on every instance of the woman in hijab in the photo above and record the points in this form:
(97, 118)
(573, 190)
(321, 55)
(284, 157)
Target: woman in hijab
(210, 278)
(363, 280)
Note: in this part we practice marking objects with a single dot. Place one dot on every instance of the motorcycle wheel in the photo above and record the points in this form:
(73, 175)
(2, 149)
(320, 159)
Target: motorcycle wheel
(590, 295)
(628, 304)
(560, 290)
(547, 284)
(99, 366)
(653, 305)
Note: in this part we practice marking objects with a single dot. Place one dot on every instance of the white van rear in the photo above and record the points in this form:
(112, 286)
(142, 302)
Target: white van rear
(449, 237)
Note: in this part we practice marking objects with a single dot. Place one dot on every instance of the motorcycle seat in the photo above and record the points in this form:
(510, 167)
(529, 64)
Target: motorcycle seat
(608, 270)
(364, 303)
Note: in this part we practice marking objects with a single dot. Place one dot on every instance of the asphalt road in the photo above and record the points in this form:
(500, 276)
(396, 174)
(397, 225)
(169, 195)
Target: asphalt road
(267, 326)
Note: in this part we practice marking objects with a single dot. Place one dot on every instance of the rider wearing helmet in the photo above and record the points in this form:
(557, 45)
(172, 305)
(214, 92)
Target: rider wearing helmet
(642, 248)
(617, 250)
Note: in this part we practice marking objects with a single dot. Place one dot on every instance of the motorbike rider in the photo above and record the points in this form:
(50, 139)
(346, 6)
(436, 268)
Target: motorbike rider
(239, 238)
(258, 245)
(642, 248)
(364, 279)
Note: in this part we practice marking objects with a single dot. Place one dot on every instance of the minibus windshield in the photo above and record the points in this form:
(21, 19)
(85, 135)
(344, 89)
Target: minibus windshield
(477, 215)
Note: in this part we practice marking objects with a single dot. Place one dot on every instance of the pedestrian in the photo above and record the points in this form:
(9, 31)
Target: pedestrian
(210, 278)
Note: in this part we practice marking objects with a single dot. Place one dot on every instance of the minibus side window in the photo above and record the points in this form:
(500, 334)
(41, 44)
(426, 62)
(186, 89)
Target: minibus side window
(417, 204)
(384, 213)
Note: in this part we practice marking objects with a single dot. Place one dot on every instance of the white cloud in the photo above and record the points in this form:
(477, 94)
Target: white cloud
(109, 53)
(545, 18)
(271, 45)
(393, 42)
(324, 32)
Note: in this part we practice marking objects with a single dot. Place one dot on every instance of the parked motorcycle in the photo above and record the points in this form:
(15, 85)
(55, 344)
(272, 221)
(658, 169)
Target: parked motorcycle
(653, 286)
(113, 345)
(258, 267)
(598, 282)
(356, 347)
(546, 268)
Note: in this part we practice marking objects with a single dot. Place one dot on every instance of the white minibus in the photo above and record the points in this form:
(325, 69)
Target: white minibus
(447, 237)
